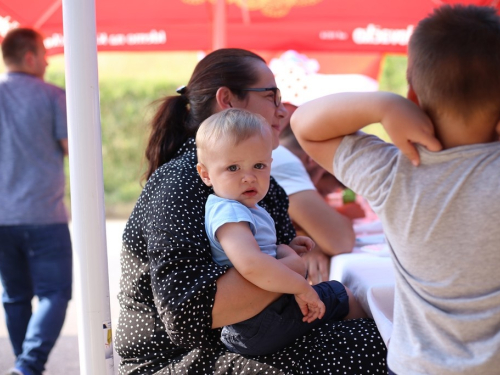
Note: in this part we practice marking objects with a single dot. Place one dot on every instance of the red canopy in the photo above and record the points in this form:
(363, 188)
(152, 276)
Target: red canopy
(276, 25)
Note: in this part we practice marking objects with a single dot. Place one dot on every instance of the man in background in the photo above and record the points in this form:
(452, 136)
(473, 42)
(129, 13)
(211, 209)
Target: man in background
(35, 245)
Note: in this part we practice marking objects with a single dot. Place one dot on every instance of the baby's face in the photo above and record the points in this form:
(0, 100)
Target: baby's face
(241, 172)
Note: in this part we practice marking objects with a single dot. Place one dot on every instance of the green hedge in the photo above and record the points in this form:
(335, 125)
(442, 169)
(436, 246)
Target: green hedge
(129, 85)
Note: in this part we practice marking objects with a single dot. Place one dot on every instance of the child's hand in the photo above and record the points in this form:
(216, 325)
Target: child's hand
(407, 124)
(302, 245)
(310, 305)
(283, 251)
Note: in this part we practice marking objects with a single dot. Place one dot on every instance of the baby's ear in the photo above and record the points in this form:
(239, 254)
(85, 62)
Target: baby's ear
(203, 172)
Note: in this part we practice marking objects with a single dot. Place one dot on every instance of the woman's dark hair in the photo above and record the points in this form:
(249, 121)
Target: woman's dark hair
(178, 117)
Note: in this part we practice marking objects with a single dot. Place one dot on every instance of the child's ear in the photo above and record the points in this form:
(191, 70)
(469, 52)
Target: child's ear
(203, 172)
(412, 96)
(497, 129)
(223, 97)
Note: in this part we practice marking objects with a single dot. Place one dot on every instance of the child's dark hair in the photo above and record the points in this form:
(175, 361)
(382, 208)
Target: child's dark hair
(17, 42)
(178, 117)
(454, 60)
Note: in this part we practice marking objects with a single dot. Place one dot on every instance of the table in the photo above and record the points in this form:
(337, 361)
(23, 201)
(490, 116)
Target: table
(368, 272)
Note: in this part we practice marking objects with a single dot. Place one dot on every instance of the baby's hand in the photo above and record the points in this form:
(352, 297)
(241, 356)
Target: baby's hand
(302, 244)
(310, 305)
(283, 251)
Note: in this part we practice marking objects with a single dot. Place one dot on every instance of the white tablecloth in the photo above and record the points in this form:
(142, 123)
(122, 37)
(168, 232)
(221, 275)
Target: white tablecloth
(369, 274)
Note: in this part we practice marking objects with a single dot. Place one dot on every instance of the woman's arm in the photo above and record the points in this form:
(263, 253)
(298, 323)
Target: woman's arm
(331, 231)
(265, 271)
(230, 308)
(237, 299)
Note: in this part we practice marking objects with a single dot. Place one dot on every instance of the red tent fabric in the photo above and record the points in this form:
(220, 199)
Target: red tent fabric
(275, 25)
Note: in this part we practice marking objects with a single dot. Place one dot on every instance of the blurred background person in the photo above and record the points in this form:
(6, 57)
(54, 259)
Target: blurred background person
(311, 214)
(324, 182)
(35, 245)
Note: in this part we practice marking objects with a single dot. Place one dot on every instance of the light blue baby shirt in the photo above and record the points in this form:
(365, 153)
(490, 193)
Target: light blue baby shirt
(219, 211)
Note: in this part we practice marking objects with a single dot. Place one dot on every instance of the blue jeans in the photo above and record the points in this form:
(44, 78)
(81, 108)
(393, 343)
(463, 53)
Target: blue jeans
(280, 323)
(35, 260)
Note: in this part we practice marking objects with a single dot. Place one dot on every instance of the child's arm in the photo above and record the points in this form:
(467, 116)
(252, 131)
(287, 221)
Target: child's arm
(266, 272)
(321, 124)
(288, 257)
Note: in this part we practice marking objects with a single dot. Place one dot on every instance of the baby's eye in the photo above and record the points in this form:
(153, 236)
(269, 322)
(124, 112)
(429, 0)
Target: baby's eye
(232, 168)
(259, 166)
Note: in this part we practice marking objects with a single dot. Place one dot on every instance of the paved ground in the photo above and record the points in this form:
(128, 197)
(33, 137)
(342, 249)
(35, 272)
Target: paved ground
(64, 359)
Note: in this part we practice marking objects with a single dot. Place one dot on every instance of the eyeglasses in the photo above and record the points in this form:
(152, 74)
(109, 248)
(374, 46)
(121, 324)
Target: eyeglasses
(276, 91)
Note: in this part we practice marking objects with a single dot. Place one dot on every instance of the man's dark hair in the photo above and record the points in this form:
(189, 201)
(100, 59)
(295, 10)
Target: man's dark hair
(17, 42)
(454, 60)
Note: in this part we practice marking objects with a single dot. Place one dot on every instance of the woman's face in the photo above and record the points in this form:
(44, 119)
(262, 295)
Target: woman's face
(262, 103)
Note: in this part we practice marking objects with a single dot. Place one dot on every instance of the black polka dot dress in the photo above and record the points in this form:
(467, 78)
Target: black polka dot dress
(168, 285)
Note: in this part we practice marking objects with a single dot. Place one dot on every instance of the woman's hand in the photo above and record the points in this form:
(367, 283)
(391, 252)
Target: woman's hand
(318, 266)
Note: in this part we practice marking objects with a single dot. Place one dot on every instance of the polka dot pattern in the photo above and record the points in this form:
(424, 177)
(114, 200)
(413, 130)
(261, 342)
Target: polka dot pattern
(168, 286)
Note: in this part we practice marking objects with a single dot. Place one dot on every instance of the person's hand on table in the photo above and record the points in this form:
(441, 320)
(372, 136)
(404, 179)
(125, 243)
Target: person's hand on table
(318, 266)
(351, 210)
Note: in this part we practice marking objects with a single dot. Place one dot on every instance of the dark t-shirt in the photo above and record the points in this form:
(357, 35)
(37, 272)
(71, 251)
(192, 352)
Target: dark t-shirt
(168, 287)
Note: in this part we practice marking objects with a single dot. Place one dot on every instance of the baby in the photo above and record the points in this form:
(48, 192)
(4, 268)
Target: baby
(234, 158)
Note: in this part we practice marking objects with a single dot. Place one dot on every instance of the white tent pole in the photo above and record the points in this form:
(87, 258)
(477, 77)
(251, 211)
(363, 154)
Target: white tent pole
(219, 25)
(87, 192)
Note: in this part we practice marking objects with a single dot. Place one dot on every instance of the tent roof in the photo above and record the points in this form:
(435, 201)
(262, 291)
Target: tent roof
(278, 25)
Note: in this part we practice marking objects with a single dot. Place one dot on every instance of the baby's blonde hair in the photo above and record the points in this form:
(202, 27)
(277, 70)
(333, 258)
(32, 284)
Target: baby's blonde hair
(233, 125)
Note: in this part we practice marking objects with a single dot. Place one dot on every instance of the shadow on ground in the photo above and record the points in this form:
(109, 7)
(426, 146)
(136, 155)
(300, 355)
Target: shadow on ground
(64, 359)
